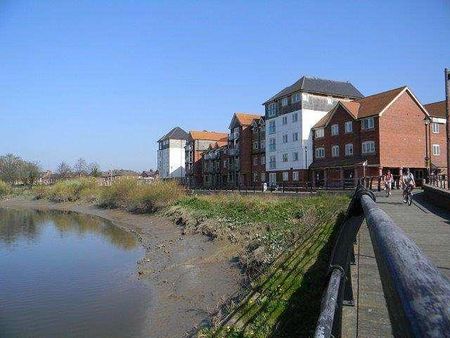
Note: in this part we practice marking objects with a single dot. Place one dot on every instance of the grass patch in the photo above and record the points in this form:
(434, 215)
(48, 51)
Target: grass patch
(68, 190)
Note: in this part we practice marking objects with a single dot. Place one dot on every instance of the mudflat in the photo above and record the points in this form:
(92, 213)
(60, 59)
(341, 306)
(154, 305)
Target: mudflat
(190, 275)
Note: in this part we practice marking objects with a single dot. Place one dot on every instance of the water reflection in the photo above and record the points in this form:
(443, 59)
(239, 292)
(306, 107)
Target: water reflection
(28, 224)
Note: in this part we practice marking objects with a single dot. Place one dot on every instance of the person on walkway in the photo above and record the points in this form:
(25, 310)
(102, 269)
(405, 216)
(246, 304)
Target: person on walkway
(408, 183)
(388, 178)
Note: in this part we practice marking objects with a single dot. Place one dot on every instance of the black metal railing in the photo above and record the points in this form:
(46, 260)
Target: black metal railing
(417, 294)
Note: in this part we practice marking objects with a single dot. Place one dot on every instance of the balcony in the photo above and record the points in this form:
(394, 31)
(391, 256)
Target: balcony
(233, 151)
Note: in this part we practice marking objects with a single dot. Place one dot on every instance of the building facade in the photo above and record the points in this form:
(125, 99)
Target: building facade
(214, 163)
(290, 115)
(198, 142)
(437, 131)
(259, 151)
(240, 149)
(368, 136)
(171, 154)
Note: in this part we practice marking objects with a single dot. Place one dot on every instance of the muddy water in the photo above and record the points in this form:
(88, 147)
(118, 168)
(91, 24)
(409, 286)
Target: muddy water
(69, 275)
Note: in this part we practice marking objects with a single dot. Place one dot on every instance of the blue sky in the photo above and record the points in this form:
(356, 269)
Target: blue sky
(103, 80)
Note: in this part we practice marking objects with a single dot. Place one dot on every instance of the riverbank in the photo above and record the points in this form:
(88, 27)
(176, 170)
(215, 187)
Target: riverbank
(190, 275)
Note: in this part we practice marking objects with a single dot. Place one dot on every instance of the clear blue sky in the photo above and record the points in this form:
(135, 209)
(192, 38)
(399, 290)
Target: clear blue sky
(104, 80)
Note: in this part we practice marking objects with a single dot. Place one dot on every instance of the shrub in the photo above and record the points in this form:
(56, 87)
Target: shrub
(118, 194)
(5, 189)
(70, 190)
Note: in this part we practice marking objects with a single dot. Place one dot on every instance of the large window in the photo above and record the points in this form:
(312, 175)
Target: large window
(334, 130)
(284, 101)
(272, 109)
(348, 126)
(285, 157)
(368, 147)
(263, 177)
(284, 120)
(349, 149)
(368, 123)
(436, 149)
(295, 98)
(295, 175)
(263, 144)
(319, 133)
(272, 162)
(295, 117)
(335, 151)
(285, 138)
(295, 137)
(272, 144)
(285, 176)
(435, 127)
(320, 152)
(295, 156)
(272, 128)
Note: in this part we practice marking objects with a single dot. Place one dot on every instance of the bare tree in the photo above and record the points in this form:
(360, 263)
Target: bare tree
(80, 167)
(94, 169)
(64, 170)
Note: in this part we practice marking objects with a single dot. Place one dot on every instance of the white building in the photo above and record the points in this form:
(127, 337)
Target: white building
(290, 115)
(171, 154)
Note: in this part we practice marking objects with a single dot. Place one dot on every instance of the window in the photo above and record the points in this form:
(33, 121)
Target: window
(295, 98)
(320, 152)
(255, 177)
(263, 160)
(368, 123)
(272, 109)
(319, 133)
(295, 175)
(295, 117)
(255, 145)
(272, 144)
(285, 157)
(368, 147)
(272, 162)
(349, 149)
(272, 127)
(306, 97)
(263, 144)
(263, 177)
(348, 126)
(435, 128)
(284, 101)
(273, 177)
(295, 156)
(285, 176)
(436, 149)
(284, 120)
(285, 138)
(335, 151)
(255, 160)
(295, 137)
(334, 129)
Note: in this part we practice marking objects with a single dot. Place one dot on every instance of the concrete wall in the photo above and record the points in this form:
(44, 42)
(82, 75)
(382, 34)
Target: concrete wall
(437, 196)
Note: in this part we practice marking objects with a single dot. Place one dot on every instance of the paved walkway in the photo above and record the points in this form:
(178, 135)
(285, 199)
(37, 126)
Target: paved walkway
(428, 227)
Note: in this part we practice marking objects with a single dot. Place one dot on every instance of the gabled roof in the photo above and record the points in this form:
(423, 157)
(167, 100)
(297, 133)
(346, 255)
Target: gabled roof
(244, 119)
(368, 106)
(437, 109)
(207, 135)
(315, 85)
(175, 134)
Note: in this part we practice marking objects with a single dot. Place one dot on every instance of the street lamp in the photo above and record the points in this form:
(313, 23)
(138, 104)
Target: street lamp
(427, 136)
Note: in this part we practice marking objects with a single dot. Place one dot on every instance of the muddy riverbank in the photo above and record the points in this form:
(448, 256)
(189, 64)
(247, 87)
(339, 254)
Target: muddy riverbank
(190, 275)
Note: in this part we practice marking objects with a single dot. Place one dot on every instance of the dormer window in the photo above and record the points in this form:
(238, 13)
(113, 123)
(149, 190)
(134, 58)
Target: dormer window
(295, 98)
(334, 130)
(368, 123)
(284, 101)
(319, 133)
(272, 109)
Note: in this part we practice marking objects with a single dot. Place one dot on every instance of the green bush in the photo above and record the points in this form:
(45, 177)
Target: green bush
(67, 190)
(5, 189)
(118, 194)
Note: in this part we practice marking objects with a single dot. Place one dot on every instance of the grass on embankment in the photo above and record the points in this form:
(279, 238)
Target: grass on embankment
(5, 189)
(284, 246)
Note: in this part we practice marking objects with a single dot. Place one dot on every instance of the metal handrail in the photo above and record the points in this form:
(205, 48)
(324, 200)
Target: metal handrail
(417, 294)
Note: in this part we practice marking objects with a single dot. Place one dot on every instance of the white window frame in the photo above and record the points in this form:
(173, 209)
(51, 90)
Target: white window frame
(370, 123)
(272, 109)
(295, 137)
(295, 156)
(334, 129)
(284, 101)
(436, 149)
(320, 152)
(285, 138)
(272, 127)
(349, 152)
(284, 120)
(285, 157)
(295, 176)
(285, 176)
(365, 146)
(295, 117)
(263, 177)
(272, 162)
(348, 129)
(319, 133)
(272, 144)
(335, 151)
(435, 128)
(295, 98)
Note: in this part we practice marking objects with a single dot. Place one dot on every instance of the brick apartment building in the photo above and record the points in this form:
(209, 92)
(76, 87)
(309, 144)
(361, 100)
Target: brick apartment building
(290, 115)
(197, 143)
(259, 151)
(367, 136)
(240, 149)
(214, 165)
(437, 131)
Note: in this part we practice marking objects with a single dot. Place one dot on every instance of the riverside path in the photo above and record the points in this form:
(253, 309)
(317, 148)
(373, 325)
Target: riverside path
(428, 226)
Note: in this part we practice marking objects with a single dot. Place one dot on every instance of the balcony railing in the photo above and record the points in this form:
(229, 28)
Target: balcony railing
(233, 151)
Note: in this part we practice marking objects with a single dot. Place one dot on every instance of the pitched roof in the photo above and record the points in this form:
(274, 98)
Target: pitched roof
(245, 119)
(436, 109)
(368, 106)
(315, 85)
(207, 135)
(175, 134)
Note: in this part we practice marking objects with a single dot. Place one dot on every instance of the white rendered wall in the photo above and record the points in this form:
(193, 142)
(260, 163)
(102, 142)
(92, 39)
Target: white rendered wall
(309, 119)
(171, 160)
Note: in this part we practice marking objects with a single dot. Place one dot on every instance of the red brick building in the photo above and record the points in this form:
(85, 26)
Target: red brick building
(365, 137)
(240, 149)
(197, 143)
(437, 131)
(259, 175)
(214, 165)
